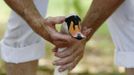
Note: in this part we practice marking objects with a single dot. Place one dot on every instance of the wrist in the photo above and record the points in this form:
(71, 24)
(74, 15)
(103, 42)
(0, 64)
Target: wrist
(87, 32)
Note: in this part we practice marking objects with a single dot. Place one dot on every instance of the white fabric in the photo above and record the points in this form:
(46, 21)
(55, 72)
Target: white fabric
(121, 26)
(20, 43)
(23, 54)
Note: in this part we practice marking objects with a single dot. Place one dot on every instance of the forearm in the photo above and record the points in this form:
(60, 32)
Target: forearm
(27, 10)
(99, 11)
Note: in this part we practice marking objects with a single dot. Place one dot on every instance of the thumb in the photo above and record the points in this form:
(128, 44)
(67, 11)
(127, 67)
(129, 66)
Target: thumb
(61, 37)
(55, 20)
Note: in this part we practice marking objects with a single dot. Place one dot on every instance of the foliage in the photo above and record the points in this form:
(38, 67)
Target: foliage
(75, 5)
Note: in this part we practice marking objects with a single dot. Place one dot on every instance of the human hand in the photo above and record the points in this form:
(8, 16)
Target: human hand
(58, 39)
(71, 56)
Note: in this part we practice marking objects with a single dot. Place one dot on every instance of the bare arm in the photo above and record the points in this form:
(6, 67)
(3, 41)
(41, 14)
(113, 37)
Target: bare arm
(99, 11)
(27, 10)
(44, 27)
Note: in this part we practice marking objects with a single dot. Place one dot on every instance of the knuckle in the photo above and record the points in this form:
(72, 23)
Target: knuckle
(72, 58)
(72, 65)
(62, 62)
(56, 44)
(69, 53)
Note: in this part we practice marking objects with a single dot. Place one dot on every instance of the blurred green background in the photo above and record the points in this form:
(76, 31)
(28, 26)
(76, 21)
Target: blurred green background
(99, 52)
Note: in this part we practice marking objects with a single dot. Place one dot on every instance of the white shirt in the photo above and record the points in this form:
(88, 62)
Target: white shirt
(19, 34)
(20, 43)
(121, 26)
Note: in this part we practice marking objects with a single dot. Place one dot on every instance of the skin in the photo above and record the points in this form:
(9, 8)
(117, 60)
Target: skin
(130, 71)
(98, 12)
(27, 68)
(93, 20)
(43, 27)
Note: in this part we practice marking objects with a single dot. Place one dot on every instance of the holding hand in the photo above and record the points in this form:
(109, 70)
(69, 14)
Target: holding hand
(71, 56)
(74, 50)
(56, 38)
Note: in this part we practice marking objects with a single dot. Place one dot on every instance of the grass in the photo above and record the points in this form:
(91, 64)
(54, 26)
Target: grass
(98, 58)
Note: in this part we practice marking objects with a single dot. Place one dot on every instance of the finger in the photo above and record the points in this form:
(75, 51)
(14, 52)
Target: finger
(75, 50)
(72, 65)
(60, 44)
(56, 20)
(55, 49)
(67, 52)
(61, 37)
(76, 61)
(64, 61)
(51, 28)
(70, 58)
(46, 22)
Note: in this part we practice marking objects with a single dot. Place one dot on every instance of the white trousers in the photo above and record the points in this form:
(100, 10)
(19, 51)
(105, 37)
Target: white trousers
(20, 43)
